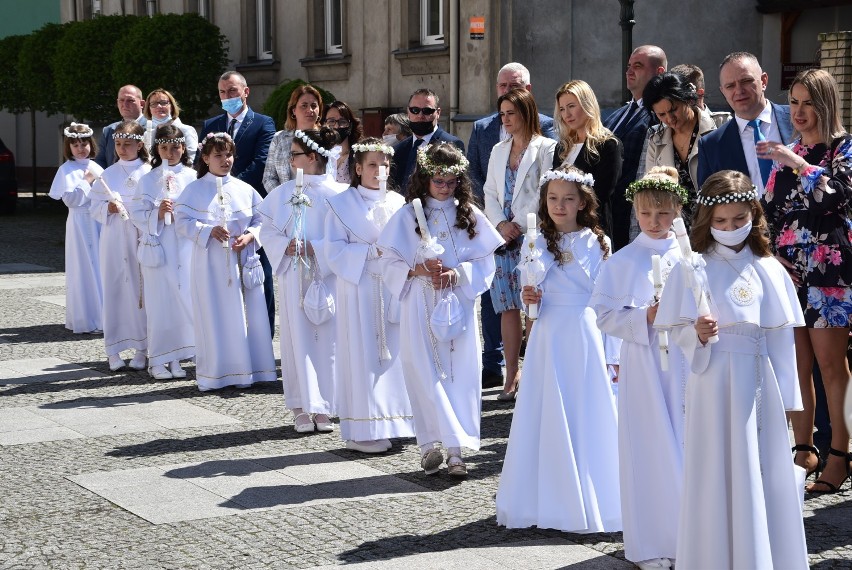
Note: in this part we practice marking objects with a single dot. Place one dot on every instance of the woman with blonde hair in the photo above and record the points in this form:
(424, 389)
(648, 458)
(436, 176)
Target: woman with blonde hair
(585, 143)
(161, 108)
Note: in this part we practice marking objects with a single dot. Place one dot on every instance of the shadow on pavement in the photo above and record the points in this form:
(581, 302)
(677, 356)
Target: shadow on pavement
(43, 333)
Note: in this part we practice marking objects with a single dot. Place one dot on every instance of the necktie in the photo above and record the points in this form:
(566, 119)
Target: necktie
(412, 160)
(231, 128)
(765, 164)
(631, 109)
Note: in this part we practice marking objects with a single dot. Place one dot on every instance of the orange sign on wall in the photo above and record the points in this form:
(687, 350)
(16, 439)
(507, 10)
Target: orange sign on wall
(477, 27)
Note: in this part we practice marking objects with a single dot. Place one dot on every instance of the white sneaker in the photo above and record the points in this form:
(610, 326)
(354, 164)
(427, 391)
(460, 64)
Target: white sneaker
(366, 446)
(654, 563)
(159, 372)
(139, 360)
(323, 423)
(177, 371)
(116, 362)
(386, 443)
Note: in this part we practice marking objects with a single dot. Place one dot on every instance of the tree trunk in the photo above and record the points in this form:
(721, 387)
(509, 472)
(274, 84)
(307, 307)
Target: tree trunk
(35, 170)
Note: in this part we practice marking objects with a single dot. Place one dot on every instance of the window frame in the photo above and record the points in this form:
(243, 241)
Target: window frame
(264, 29)
(427, 39)
(329, 16)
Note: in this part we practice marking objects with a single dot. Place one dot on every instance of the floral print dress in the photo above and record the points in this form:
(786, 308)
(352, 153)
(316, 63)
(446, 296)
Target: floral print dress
(505, 288)
(809, 219)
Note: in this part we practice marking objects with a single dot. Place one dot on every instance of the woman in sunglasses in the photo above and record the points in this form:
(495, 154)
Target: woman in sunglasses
(339, 116)
(511, 192)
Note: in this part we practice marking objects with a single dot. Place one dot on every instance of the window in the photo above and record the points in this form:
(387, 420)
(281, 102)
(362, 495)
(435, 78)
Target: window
(333, 26)
(200, 7)
(264, 29)
(150, 8)
(431, 22)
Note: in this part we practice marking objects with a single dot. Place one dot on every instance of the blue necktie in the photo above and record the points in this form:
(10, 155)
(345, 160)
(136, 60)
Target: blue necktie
(765, 164)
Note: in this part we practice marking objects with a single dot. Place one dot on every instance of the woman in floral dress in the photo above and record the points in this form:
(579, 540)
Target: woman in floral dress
(807, 201)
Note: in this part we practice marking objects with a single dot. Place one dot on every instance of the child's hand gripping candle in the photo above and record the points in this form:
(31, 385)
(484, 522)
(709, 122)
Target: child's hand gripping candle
(300, 184)
(689, 272)
(532, 277)
(383, 182)
(115, 200)
(220, 196)
(662, 336)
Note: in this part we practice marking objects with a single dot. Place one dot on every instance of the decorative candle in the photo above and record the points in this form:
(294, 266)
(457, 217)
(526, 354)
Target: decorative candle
(383, 182)
(662, 336)
(221, 198)
(532, 231)
(658, 276)
(300, 179)
(532, 223)
(421, 219)
(149, 135)
(116, 200)
(167, 180)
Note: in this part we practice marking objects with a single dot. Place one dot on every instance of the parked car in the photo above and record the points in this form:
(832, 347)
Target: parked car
(8, 181)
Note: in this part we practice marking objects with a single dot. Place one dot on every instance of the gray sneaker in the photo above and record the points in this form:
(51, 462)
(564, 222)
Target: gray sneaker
(431, 461)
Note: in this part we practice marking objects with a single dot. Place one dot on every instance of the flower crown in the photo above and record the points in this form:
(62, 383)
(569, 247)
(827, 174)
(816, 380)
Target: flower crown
(373, 147)
(585, 179)
(178, 140)
(728, 198)
(210, 136)
(131, 136)
(84, 134)
(656, 184)
(428, 166)
(310, 143)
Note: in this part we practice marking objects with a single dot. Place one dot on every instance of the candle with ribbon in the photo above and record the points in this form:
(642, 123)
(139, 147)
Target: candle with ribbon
(383, 182)
(223, 214)
(421, 220)
(689, 271)
(149, 135)
(168, 191)
(115, 199)
(531, 263)
(662, 336)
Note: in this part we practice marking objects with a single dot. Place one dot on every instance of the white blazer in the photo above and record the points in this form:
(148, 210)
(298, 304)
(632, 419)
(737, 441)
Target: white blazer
(536, 161)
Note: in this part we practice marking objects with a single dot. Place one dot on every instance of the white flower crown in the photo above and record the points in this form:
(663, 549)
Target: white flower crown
(373, 147)
(84, 134)
(209, 136)
(179, 140)
(431, 168)
(303, 136)
(585, 179)
(131, 136)
(728, 198)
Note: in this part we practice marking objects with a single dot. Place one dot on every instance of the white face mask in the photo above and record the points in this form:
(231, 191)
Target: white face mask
(390, 140)
(731, 238)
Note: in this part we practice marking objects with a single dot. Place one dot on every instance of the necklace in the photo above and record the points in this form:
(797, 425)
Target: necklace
(741, 291)
(567, 256)
(129, 182)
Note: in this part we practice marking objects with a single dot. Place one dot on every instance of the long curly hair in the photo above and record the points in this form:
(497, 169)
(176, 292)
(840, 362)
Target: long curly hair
(587, 217)
(729, 182)
(167, 132)
(445, 154)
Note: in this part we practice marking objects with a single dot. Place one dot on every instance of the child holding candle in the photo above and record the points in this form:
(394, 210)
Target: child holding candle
(84, 297)
(561, 469)
(121, 277)
(371, 399)
(293, 237)
(741, 501)
(437, 258)
(651, 380)
(228, 307)
(165, 257)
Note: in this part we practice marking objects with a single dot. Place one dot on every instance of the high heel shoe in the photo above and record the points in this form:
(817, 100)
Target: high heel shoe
(832, 488)
(810, 449)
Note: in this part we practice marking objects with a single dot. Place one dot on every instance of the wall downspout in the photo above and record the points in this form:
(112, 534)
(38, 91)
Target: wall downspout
(454, 63)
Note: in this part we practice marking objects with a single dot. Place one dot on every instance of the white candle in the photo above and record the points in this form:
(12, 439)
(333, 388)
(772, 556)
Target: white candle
(300, 179)
(149, 134)
(221, 198)
(532, 224)
(421, 219)
(167, 218)
(657, 274)
(532, 229)
(662, 336)
(383, 182)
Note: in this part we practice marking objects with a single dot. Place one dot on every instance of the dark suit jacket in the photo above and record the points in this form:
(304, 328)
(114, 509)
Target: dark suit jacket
(486, 133)
(401, 169)
(632, 135)
(106, 148)
(722, 149)
(252, 143)
(605, 169)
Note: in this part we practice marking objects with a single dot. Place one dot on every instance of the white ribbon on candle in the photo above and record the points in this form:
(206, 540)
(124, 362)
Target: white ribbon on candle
(533, 267)
(662, 336)
(689, 270)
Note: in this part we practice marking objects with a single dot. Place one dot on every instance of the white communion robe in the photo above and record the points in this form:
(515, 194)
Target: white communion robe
(741, 504)
(84, 297)
(307, 350)
(371, 398)
(446, 409)
(561, 465)
(165, 269)
(121, 277)
(650, 401)
(232, 340)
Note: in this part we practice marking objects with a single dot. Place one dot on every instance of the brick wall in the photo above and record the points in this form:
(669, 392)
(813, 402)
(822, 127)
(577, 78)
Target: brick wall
(836, 58)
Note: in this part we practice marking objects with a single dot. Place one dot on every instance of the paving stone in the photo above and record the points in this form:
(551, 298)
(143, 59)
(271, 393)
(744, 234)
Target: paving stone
(58, 300)
(22, 268)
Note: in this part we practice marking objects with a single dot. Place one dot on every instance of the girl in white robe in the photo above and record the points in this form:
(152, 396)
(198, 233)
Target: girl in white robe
(165, 256)
(371, 398)
(112, 195)
(742, 493)
(561, 465)
(441, 354)
(84, 296)
(218, 214)
(650, 399)
(292, 236)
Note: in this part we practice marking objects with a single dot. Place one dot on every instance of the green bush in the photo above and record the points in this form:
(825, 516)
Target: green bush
(36, 69)
(276, 103)
(12, 96)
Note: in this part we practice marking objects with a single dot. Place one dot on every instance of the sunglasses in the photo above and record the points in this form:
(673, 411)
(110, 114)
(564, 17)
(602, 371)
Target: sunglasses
(425, 110)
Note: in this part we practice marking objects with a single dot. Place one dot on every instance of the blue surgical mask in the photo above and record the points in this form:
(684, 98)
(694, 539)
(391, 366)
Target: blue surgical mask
(157, 121)
(233, 105)
(731, 238)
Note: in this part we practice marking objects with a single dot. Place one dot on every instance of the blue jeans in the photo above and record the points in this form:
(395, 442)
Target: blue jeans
(492, 347)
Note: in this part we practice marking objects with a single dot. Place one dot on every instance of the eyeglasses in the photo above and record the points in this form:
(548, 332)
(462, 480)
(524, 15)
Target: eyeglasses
(337, 123)
(451, 183)
(425, 110)
(293, 155)
(164, 103)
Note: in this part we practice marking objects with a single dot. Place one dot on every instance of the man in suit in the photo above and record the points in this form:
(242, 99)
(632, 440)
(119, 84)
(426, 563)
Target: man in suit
(630, 124)
(732, 146)
(486, 133)
(423, 114)
(130, 103)
(252, 133)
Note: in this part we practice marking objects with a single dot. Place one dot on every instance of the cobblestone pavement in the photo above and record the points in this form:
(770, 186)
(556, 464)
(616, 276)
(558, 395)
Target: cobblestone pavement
(342, 516)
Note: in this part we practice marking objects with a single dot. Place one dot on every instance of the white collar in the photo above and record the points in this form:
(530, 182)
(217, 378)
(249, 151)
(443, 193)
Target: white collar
(765, 116)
